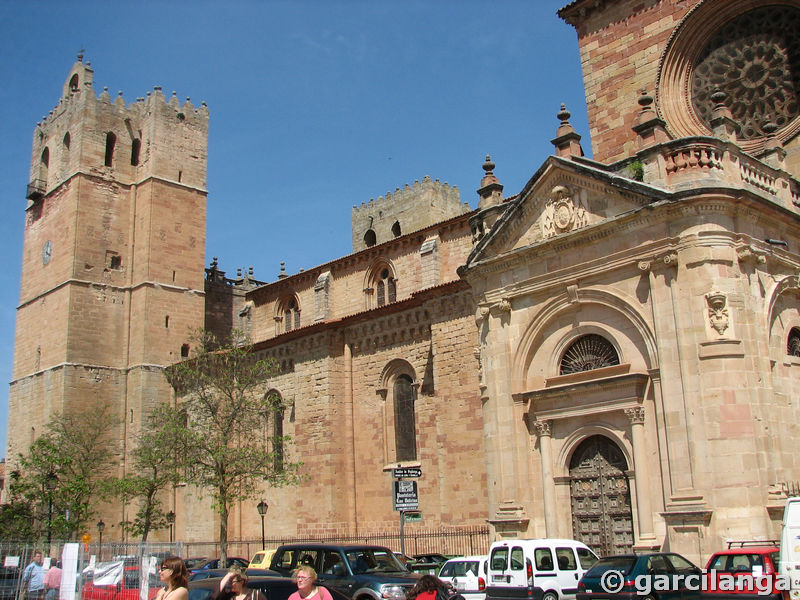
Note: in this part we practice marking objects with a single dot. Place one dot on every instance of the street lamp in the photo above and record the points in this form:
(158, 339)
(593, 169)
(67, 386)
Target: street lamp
(262, 510)
(171, 520)
(100, 527)
(50, 482)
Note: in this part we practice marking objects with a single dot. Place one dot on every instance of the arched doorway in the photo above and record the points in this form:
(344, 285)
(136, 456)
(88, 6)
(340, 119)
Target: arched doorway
(601, 497)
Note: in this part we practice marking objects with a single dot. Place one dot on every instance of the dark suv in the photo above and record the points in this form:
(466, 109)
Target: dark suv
(359, 572)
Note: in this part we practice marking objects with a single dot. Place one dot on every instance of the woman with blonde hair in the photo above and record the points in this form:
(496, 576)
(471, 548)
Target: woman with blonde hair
(174, 575)
(306, 578)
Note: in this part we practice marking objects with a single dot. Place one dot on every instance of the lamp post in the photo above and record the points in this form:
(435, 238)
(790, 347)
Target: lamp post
(262, 510)
(100, 527)
(171, 520)
(50, 482)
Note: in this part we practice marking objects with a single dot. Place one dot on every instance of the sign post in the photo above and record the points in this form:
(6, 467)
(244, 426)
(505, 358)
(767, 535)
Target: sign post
(406, 498)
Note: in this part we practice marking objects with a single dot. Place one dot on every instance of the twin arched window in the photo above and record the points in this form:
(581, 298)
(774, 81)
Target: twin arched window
(287, 316)
(385, 288)
(587, 353)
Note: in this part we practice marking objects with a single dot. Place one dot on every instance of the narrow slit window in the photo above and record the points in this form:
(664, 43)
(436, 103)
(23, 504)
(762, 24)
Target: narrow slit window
(67, 140)
(136, 145)
(111, 141)
(166, 322)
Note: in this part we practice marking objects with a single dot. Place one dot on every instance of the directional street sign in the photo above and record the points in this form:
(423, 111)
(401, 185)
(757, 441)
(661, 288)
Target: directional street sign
(405, 495)
(406, 472)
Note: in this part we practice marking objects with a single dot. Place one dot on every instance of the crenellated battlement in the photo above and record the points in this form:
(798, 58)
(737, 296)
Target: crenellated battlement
(153, 136)
(410, 208)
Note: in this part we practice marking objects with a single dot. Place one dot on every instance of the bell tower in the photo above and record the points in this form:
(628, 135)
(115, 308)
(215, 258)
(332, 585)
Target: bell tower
(113, 257)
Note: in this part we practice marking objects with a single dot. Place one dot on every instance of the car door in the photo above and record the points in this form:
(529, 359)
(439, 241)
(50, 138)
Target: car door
(334, 573)
(567, 571)
(507, 566)
(658, 567)
(689, 582)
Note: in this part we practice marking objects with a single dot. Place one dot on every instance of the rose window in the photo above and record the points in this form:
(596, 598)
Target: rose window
(755, 60)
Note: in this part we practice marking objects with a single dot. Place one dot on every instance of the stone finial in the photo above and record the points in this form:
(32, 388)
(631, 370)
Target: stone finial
(650, 129)
(80, 55)
(282, 274)
(774, 152)
(491, 190)
(722, 124)
(214, 263)
(567, 140)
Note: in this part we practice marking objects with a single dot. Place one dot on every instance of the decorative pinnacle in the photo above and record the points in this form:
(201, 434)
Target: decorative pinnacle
(488, 166)
(80, 55)
(564, 114)
(719, 97)
(645, 99)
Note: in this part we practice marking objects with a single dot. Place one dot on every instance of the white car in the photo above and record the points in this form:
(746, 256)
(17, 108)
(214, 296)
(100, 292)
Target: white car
(467, 574)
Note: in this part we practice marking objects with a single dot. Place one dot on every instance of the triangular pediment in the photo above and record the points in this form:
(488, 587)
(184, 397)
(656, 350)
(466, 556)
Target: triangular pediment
(562, 198)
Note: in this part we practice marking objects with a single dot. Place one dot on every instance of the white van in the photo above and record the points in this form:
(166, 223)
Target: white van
(540, 568)
(467, 574)
(790, 547)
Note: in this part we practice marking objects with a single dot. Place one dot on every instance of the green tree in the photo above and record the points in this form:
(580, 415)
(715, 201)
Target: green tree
(66, 471)
(154, 468)
(223, 438)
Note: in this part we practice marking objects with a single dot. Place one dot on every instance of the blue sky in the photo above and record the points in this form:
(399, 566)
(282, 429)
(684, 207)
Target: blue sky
(316, 106)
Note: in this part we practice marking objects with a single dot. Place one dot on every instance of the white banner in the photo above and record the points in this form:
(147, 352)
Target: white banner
(69, 571)
(109, 573)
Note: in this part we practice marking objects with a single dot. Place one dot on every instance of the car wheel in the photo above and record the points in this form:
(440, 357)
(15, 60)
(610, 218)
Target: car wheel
(552, 596)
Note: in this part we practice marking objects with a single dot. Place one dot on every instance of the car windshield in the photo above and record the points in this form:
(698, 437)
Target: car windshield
(373, 560)
(623, 564)
(459, 568)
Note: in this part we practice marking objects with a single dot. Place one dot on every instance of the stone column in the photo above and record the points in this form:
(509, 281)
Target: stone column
(544, 429)
(645, 511)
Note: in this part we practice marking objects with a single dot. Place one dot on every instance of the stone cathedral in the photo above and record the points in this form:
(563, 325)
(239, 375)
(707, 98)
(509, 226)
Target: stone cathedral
(611, 353)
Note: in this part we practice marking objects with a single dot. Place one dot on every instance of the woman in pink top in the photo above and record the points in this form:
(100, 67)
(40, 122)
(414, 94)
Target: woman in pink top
(52, 581)
(306, 578)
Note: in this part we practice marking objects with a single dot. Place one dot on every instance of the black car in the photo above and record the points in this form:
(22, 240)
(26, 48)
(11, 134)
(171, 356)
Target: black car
(274, 588)
(356, 571)
(219, 573)
(215, 563)
(651, 576)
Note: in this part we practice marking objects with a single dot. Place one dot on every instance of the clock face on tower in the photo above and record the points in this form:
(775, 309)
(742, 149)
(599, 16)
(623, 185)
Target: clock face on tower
(47, 252)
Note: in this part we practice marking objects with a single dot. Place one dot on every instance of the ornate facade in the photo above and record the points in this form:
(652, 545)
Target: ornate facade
(610, 354)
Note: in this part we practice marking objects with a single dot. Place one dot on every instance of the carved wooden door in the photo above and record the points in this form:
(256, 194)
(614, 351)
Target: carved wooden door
(601, 499)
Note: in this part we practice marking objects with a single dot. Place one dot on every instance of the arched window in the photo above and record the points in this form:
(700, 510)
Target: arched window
(386, 288)
(111, 141)
(288, 312)
(67, 140)
(396, 229)
(274, 432)
(587, 353)
(44, 165)
(369, 238)
(793, 343)
(404, 418)
(136, 145)
(73, 83)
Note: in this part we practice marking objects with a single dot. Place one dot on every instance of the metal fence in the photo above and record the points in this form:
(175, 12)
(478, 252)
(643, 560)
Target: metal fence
(461, 541)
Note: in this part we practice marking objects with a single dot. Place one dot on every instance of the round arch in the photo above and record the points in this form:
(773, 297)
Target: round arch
(535, 333)
(395, 368)
(580, 435)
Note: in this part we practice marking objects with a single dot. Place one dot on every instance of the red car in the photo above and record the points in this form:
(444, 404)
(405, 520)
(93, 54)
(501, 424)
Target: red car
(127, 589)
(744, 573)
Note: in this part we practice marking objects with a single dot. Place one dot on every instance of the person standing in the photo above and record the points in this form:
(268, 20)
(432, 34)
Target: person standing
(52, 581)
(306, 578)
(234, 587)
(173, 573)
(33, 578)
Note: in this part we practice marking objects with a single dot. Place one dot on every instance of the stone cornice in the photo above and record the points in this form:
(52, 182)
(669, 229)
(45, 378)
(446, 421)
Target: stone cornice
(89, 366)
(111, 287)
